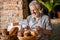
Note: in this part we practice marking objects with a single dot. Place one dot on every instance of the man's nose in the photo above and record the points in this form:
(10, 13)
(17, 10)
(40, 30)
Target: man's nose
(33, 11)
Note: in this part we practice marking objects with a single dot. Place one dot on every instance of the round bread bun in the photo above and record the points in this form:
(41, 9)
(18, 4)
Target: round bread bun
(27, 33)
(13, 31)
(4, 32)
(33, 33)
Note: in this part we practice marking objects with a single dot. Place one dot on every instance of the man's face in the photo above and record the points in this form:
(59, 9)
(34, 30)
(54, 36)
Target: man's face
(34, 11)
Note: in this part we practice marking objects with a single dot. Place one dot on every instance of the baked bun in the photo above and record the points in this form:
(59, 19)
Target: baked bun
(33, 33)
(36, 35)
(13, 31)
(4, 32)
(27, 33)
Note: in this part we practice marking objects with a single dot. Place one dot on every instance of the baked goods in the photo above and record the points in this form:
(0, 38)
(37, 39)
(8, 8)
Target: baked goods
(13, 31)
(33, 33)
(4, 32)
(27, 33)
(19, 35)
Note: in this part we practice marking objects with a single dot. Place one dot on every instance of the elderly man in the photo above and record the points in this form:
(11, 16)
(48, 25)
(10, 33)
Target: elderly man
(39, 21)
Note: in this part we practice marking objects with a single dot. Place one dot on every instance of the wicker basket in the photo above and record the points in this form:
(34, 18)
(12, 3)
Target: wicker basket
(27, 38)
(30, 38)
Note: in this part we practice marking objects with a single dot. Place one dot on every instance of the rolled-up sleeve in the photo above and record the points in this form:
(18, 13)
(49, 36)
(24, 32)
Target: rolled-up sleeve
(48, 24)
(28, 19)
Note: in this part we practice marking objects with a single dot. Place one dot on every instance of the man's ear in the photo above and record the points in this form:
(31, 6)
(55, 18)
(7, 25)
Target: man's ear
(41, 10)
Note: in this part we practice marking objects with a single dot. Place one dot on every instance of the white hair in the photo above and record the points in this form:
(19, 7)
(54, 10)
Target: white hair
(34, 3)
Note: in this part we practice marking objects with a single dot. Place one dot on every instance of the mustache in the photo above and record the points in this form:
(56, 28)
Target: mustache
(34, 13)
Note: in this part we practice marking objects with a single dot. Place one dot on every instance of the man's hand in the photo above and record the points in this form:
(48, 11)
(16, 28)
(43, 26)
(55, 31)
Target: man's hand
(38, 28)
(47, 32)
(27, 27)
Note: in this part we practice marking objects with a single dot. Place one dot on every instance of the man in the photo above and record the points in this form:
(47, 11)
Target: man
(38, 21)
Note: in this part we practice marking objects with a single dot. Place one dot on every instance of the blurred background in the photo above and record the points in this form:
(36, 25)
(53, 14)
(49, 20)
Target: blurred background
(15, 10)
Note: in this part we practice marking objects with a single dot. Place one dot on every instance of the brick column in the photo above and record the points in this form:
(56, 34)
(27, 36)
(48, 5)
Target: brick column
(1, 8)
(12, 11)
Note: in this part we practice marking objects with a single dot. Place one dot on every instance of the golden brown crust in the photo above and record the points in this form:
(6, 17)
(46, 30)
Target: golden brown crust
(33, 33)
(13, 31)
(4, 32)
(27, 33)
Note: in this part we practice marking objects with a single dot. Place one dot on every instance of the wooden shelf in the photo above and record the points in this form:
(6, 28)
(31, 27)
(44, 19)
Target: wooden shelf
(55, 21)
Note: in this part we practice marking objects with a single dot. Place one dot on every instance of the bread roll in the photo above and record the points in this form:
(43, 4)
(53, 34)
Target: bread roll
(13, 31)
(33, 33)
(27, 33)
(4, 32)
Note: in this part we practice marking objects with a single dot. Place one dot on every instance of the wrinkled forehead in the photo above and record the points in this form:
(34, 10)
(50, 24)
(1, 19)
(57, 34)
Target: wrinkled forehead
(34, 7)
(35, 3)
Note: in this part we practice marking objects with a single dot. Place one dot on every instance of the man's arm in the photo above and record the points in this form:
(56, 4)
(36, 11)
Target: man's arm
(47, 29)
(47, 32)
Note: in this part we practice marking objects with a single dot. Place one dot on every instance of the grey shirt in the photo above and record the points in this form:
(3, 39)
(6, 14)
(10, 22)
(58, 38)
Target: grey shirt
(43, 22)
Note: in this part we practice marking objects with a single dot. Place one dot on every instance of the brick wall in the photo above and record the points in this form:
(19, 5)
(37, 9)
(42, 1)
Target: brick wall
(12, 11)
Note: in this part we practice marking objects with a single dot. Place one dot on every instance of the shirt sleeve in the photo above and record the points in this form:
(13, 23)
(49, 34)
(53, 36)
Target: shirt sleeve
(48, 24)
(28, 19)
